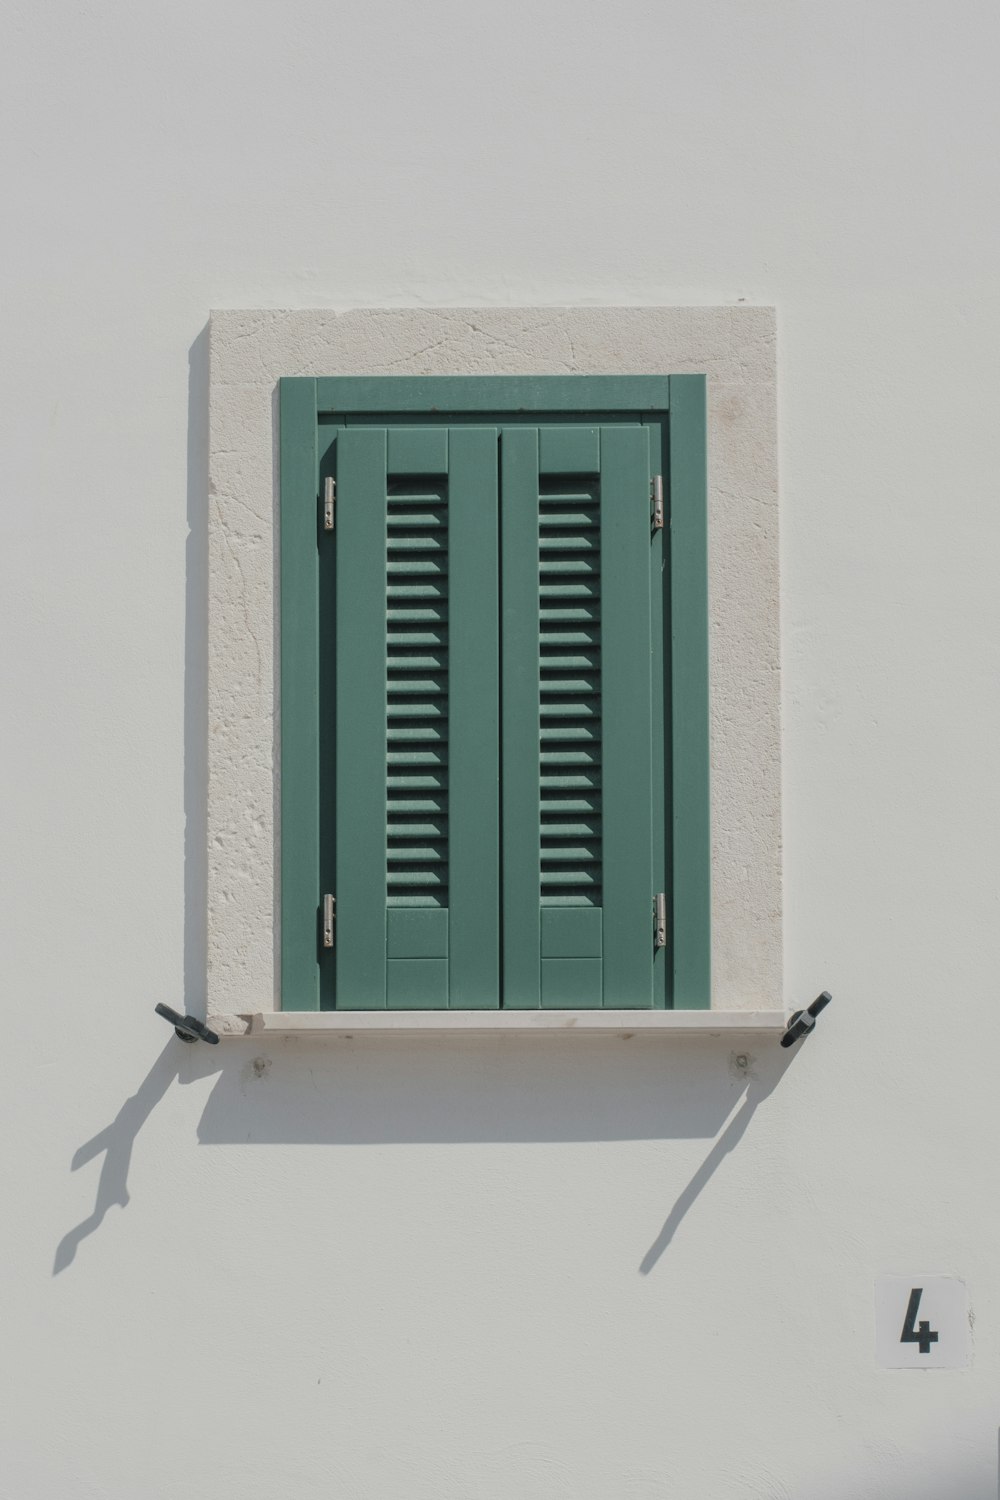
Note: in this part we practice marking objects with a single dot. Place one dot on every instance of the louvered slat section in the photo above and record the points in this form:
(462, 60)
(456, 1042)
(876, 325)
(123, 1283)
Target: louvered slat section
(417, 693)
(570, 691)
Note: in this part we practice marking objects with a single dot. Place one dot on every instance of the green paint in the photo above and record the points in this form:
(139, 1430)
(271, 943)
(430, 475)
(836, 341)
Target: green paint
(573, 983)
(299, 690)
(416, 984)
(626, 718)
(690, 923)
(519, 719)
(569, 450)
(494, 733)
(571, 931)
(659, 614)
(474, 719)
(417, 932)
(360, 784)
(434, 395)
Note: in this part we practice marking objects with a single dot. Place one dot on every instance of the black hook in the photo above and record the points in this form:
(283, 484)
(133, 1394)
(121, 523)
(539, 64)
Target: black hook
(803, 1021)
(188, 1028)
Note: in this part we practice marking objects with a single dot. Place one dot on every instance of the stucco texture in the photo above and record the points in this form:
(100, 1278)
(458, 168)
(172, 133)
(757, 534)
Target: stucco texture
(735, 348)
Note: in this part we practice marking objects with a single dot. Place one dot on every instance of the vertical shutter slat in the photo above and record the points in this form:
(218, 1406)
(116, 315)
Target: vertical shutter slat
(520, 677)
(692, 876)
(361, 718)
(300, 699)
(627, 738)
(474, 717)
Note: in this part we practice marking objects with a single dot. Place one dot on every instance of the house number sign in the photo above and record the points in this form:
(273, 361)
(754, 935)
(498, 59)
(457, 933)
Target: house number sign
(922, 1323)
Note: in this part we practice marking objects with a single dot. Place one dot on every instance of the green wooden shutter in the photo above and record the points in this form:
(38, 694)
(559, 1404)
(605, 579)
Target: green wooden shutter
(417, 711)
(475, 608)
(577, 731)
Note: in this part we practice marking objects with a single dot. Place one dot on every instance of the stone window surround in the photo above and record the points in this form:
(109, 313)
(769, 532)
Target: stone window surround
(249, 352)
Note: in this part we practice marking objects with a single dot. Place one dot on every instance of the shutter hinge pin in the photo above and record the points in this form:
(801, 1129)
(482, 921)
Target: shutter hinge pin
(329, 496)
(328, 912)
(660, 920)
(656, 496)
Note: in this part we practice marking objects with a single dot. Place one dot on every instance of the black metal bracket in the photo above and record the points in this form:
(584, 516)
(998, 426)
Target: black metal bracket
(803, 1021)
(188, 1028)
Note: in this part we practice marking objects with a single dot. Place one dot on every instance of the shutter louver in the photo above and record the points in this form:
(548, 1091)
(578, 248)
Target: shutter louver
(417, 693)
(577, 718)
(417, 704)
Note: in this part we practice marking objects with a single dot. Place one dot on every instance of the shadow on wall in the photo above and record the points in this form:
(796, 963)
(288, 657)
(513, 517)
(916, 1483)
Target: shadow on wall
(353, 1093)
(383, 1090)
(196, 684)
(450, 1092)
(116, 1141)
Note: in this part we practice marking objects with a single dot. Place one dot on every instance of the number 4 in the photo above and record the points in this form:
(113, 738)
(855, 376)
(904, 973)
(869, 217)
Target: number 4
(913, 1333)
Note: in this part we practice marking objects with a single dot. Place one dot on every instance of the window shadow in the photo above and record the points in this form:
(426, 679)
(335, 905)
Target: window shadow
(175, 1061)
(757, 1091)
(485, 1089)
(369, 1091)
(443, 1091)
(117, 1139)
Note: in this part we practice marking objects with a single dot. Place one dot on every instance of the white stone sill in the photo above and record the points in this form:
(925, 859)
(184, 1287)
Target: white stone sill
(625, 1024)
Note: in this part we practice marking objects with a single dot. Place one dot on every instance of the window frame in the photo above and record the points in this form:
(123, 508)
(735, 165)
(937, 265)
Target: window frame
(678, 402)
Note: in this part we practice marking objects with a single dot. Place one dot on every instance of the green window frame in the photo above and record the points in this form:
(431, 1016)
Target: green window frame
(477, 473)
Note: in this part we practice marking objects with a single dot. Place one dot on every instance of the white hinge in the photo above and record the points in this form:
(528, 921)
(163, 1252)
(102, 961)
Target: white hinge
(328, 910)
(659, 920)
(656, 497)
(329, 496)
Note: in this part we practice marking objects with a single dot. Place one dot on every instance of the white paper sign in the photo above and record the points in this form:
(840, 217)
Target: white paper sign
(922, 1323)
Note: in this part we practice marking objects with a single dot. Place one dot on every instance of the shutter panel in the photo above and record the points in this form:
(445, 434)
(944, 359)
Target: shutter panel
(417, 710)
(577, 728)
(398, 706)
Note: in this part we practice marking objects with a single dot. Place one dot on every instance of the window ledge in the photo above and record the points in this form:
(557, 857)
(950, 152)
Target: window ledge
(621, 1023)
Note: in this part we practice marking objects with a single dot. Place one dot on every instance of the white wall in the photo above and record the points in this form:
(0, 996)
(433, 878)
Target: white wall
(500, 1271)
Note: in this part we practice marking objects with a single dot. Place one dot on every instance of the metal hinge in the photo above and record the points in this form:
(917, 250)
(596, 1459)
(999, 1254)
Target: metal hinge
(656, 496)
(329, 496)
(659, 920)
(328, 912)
